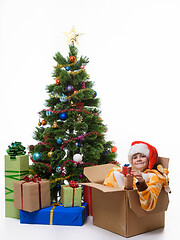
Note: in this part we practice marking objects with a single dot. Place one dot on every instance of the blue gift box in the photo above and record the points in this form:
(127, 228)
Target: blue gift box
(59, 215)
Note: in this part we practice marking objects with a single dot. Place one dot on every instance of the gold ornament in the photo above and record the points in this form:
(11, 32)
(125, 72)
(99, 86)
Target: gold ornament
(79, 118)
(50, 153)
(73, 36)
(72, 104)
(39, 123)
(55, 125)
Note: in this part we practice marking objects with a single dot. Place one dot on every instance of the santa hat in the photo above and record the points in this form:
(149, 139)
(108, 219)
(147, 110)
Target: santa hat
(145, 148)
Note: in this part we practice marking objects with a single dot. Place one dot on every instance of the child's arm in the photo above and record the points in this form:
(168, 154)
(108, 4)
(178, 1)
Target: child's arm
(148, 196)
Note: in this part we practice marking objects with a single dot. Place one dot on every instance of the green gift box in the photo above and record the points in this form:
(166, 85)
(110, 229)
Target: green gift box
(15, 169)
(71, 197)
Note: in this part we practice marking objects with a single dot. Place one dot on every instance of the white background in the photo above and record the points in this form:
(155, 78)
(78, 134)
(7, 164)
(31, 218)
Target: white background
(134, 53)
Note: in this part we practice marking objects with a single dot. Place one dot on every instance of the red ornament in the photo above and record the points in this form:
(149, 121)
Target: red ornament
(113, 149)
(58, 81)
(72, 58)
(43, 122)
(82, 67)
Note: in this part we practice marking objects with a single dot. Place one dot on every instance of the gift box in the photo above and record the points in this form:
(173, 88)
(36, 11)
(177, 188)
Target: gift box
(15, 170)
(126, 169)
(87, 194)
(118, 210)
(56, 215)
(71, 196)
(32, 194)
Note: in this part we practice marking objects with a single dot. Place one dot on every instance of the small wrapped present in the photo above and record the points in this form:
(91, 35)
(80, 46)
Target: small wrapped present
(126, 169)
(87, 194)
(57, 214)
(32, 194)
(71, 195)
(16, 168)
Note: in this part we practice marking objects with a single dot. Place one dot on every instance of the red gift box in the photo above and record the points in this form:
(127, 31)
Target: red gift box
(126, 169)
(87, 193)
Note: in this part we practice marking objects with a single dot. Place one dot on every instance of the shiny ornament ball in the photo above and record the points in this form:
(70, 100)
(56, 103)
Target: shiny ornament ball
(36, 156)
(58, 169)
(48, 113)
(72, 58)
(77, 157)
(63, 98)
(67, 68)
(70, 88)
(58, 81)
(82, 67)
(78, 144)
(63, 116)
(95, 94)
(59, 141)
(81, 176)
(50, 154)
(113, 149)
(43, 122)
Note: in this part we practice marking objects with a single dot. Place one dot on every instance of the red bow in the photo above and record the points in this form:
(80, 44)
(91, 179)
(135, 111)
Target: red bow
(73, 184)
(33, 179)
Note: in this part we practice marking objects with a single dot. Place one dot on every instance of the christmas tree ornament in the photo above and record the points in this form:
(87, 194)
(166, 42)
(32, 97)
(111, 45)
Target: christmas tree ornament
(48, 113)
(50, 154)
(39, 123)
(94, 94)
(70, 88)
(36, 156)
(76, 91)
(82, 67)
(79, 118)
(67, 68)
(73, 36)
(63, 116)
(55, 125)
(59, 141)
(83, 85)
(81, 138)
(72, 58)
(43, 122)
(58, 81)
(106, 152)
(81, 176)
(63, 98)
(78, 144)
(72, 104)
(77, 157)
(58, 169)
(114, 149)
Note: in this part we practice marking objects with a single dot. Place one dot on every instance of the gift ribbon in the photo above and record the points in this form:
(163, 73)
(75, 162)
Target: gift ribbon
(74, 185)
(52, 210)
(34, 179)
(13, 175)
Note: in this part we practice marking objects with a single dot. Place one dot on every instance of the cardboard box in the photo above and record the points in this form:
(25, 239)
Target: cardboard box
(15, 169)
(119, 211)
(72, 216)
(31, 196)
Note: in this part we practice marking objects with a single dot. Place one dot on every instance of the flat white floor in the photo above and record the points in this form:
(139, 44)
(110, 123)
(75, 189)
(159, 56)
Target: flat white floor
(12, 229)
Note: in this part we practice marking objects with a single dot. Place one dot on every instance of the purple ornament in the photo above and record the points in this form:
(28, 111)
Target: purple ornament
(70, 88)
(81, 138)
(81, 176)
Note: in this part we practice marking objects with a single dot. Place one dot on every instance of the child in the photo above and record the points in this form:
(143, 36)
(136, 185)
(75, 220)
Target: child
(148, 181)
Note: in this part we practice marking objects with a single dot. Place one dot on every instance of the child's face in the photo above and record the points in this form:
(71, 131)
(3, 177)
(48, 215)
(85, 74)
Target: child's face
(139, 162)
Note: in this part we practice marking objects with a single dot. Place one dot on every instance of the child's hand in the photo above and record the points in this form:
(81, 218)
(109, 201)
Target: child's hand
(138, 175)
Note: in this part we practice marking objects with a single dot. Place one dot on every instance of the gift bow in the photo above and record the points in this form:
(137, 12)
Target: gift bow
(33, 179)
(73, 184)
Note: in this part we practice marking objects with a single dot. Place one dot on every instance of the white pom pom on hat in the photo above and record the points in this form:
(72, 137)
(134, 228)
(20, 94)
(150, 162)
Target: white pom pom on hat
(146, 149)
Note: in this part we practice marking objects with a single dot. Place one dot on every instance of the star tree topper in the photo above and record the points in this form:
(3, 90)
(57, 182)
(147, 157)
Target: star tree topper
(73, 36)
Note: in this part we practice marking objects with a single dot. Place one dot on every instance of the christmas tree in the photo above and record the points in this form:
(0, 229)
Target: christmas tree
(70, 132)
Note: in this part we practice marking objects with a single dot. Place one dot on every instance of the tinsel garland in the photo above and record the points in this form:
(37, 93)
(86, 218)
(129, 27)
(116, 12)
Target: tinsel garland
(77, 138)
(70, 110)
(59, 96)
